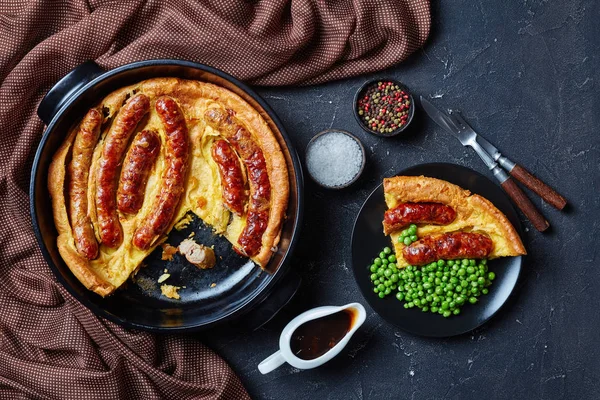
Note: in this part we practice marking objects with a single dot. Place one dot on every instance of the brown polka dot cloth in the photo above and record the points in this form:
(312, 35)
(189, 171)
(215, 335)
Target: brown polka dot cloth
(50, 345)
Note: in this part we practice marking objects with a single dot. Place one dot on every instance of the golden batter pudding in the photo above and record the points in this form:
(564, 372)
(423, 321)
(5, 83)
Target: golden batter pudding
(149, 153)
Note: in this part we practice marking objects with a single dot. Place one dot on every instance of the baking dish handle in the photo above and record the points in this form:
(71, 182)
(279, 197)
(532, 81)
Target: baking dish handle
(64, 89)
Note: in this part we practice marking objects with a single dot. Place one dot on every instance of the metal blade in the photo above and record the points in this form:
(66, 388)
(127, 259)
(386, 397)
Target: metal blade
(443, 120)
(459, 121)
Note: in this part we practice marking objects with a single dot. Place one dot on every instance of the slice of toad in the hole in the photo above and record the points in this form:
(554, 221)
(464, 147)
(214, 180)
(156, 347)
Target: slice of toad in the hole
(473, 214)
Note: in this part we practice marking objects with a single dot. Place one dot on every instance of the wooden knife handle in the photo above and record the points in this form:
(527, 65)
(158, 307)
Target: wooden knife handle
(523, 202)
(539, 187)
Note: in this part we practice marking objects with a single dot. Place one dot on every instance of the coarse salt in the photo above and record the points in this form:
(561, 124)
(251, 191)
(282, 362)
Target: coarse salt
(334, 159)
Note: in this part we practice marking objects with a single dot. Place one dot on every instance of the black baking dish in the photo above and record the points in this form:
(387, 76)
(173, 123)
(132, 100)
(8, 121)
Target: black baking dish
(235, 293)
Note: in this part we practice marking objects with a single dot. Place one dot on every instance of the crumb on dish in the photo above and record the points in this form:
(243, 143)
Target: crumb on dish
(170, 291)
(168, 252)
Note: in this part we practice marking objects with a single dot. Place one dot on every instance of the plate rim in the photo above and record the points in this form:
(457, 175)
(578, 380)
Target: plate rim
(520, 258)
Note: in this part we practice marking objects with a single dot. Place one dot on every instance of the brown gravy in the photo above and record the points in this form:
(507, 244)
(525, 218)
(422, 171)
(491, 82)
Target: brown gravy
(314, 338)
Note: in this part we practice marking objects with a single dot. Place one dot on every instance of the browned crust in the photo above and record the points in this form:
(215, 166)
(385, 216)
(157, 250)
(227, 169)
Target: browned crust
(78, 265)
(508, 230)
(423, 189)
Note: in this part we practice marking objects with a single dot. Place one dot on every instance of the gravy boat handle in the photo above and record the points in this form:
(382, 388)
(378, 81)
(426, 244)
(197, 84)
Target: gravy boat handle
(272, 362)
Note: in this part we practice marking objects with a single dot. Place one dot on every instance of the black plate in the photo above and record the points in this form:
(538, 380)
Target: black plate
(368, 240)
(239, 286)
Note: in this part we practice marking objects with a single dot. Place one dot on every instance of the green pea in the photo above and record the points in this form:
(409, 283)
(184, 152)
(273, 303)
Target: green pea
(470, 270)
(472, 300)
(376, 282)
(458, 288)
(400, 296)
(385, 262)
(412, 229)
(405, 233)
(472, 262)
(374, 277)
(394, 277)
(381, 287)
(481, 281)
(472, 278)
(380, 271)
(491, 276)
(411, 304)
(381, 295)
(474, 284)
(401, 240)
(465, 262)
(451, 263)
(483, 262)
(392, 265)
(434, 309)
(388, 291)
(373, 268)
(413, 238)
(388, 272)
(460, 300)
(387, 283)
(485, 291)
(447, 313)
(407, 241)
(377, 261)
(376, 290)
(445, 305)
(441, 263)
(417, 302)
(462, 272)
(405, 305)
(392, 258)
(382, 255)
(456, 311)
(425, 309)
(452, 304)
(387, 250)
(394, 287)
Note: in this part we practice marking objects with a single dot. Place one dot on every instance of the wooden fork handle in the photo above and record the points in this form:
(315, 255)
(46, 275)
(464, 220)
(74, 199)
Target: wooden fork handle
(536, 185)
(525, 205)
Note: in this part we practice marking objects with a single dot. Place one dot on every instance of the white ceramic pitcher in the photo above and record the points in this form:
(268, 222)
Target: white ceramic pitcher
(285, 352)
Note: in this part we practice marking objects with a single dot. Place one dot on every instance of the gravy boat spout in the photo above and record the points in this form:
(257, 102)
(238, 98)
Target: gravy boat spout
(285, 354)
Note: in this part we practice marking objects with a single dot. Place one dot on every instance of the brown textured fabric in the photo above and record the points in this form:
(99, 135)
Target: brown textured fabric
(50, 345)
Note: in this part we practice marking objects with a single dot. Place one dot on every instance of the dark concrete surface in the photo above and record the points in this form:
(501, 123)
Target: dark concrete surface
(525, 74)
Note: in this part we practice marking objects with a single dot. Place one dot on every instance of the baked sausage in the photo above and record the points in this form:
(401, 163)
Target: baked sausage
(405, 214)
(448, 246)
(115, 143)
(79, 170)
(232, 181)
(253, 158)
(136, 167)
(172, 183)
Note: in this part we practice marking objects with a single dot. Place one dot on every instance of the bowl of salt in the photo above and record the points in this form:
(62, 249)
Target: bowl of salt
(335, 158)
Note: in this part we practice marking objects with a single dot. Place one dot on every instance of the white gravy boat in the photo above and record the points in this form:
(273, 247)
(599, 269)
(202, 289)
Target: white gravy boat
(285, 353)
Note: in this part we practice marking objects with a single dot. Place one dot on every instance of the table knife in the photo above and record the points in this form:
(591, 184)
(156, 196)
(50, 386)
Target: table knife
(515, 170)
(468, 138)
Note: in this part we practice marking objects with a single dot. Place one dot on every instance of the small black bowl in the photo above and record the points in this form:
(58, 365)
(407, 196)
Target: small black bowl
(363, 155)
(360, 92)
